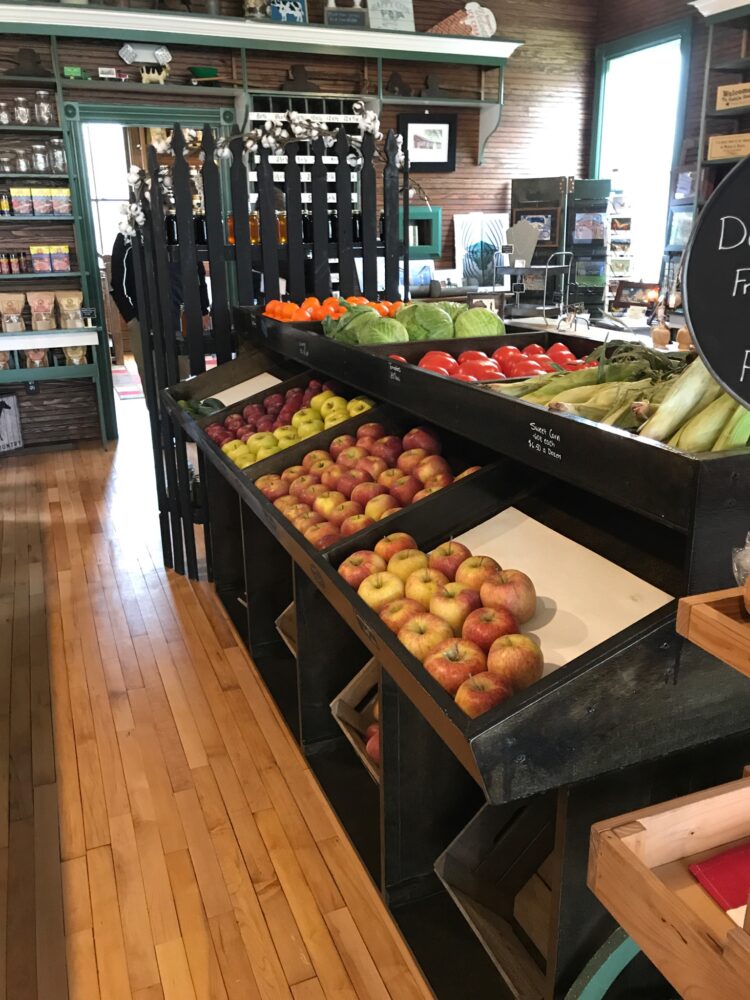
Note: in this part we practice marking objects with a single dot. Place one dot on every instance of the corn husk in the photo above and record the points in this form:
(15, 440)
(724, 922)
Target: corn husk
(587, 410)
(736, 431)
(701, 431)
(688, 392)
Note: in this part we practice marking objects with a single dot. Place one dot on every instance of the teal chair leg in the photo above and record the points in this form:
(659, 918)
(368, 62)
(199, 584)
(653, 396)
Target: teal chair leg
(604, 967)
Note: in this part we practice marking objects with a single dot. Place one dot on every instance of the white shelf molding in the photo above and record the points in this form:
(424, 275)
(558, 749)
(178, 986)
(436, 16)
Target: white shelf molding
(135, 25)
(50, 338)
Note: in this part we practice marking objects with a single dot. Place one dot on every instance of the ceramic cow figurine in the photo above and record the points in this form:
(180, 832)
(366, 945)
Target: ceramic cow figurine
(289, 10)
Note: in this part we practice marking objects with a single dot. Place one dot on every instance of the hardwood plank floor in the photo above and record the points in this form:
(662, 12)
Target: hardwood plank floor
(161, 836)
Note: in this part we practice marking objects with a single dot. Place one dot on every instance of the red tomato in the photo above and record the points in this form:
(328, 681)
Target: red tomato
(525, 369)
(472, 356)
(482, 370)
(507, 351)
(463, 377)
(441, 358)
(532, 350)
(559, 349)
(435, 368)
(397, 357)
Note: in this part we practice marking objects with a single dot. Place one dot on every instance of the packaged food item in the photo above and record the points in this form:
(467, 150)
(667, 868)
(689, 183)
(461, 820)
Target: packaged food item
(61, 203)
(42, 305)
(41, 200)
(11, 311)
(36, 357)
(4, 262)
(69, 306)
(4, 360)
(40, 260)
(60, 258)
(20, 200)
(75, 355)
(14, 262)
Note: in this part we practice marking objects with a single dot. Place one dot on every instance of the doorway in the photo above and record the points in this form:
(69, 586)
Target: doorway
(641, 87)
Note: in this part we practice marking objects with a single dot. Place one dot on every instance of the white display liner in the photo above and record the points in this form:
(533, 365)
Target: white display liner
(582, 598)
(244, 389)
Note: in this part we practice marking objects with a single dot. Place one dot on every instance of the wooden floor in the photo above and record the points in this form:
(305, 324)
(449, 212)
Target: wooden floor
(163, 837)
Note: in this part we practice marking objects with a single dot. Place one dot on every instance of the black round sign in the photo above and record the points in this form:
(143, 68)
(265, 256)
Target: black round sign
(716, 283)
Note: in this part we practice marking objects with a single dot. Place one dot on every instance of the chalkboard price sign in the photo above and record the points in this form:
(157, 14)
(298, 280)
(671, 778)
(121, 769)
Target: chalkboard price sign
(716, 283)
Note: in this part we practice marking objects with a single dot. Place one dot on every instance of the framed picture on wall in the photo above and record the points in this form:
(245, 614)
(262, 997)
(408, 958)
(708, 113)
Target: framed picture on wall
(544, 219)
(680, 224)
(430, 142)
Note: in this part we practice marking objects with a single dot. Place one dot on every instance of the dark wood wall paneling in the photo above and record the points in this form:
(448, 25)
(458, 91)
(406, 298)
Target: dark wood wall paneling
(59, 410)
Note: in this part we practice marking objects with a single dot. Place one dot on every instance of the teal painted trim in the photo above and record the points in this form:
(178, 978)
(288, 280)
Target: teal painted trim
(485, 106)
(729, 15)
(45, 276)
(23, 375)
(604, 967)
(230, 40)
(421, 212)
(681, 30)
(145, 115)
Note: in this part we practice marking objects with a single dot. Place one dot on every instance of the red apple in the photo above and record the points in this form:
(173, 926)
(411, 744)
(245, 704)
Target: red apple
(405, 489)
(517, 659)
(426, 492)
(448, 557)
(513, 590)
(311, 492)
(454, 603)
(389, 477)
(363, 493)
(299, 486)
(273, 402)
(407, 561)
(380, 589)
(248, 433)
(453, 662)
(350, 480)
(272, 487)
(327, 501)
(480, 693)
(242, 429)
(422, 437)
(359, 565)
(314, 456)
(235, 420)
(372, 430)
(307, 520)
(468, 472)
(292, 473)
(342, 511)
(265, 423)
(339, 444)
(322, 536)
(379, 506)
(349, 457)
(439, 482)
(355, 523)
(372, 465)
(372, 747)
(485, 625)
(422, 634)
(430, 467)
(330, 476)
(388, 448)
(423, 584)
(253, 412)
(475, 570)
(388, 513)
(319, 467)
(396, 614)
(407, 461)
(366, 443)
(283, 503)
(294, 510)
(389, 545)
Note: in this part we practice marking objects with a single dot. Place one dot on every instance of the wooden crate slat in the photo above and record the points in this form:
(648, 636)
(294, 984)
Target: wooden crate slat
(220, 312)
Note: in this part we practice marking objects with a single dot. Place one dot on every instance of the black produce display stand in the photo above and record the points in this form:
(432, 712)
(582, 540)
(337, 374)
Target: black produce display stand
(478, 832)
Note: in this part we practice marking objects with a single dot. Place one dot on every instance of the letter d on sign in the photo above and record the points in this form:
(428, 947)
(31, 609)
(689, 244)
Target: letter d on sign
(740, 241)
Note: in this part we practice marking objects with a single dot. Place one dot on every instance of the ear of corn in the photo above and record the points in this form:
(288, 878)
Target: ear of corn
(736, 431)
(702, 430)
(681, 401)
(587, 410)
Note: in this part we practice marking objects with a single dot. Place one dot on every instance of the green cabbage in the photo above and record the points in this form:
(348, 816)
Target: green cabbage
(453, 308)
(425, 321)
(382, 331)
(479, 322)
(345, 329)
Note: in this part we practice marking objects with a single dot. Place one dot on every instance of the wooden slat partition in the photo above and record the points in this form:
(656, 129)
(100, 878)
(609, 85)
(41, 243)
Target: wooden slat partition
(294, 229)
(239, 196)
(347, 273)
(269, 240)
(191, 298)
(220, 311)
(390, 210)
(321, 266)
(368, 198)
(164, 299)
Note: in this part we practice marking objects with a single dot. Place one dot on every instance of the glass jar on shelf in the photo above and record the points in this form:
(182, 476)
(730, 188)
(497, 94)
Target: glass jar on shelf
(5, 206)
(56, 154)
(6, 115)
(22, 161)
(44, 108)
(21, 111)
(281, 230)
(254, 222)
(6, 163)
(39, 161)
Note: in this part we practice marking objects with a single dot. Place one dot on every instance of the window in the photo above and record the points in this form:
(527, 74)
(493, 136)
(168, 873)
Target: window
(107, 167)
(638, 131)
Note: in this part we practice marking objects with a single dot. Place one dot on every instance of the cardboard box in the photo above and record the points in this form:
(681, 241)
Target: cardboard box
(724, 147)
(356, 708)
(733, 95)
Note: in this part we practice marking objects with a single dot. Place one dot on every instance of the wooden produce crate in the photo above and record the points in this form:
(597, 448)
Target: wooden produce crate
(718, 622)
(286, 626)
(638, 868)
(355, 709)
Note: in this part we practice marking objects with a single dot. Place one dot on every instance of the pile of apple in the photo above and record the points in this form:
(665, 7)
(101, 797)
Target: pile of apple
(263, 429)
(458, 614)
(358, 481)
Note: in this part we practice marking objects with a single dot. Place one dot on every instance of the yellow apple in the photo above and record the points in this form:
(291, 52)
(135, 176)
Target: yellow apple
(332, 404)
(261, 439)
(285, 432)
(306, 413)
(231, 446)
(359, 405)
(317, 401)
(337, 417)
(244, 462)
(267, 452)
(306, 428)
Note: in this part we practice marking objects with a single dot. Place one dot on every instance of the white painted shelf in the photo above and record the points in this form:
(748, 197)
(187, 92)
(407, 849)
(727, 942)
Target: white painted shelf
(48, 338)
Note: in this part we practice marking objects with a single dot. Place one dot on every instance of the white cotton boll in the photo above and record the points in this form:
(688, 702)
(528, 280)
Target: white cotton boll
(268, 126)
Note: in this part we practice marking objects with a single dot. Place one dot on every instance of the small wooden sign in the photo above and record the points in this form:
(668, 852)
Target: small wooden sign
(391, 15)
(733, 95)
(724, 147)
(346, 17)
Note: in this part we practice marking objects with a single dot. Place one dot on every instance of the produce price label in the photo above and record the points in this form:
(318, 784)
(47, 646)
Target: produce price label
(394, 371)
(716, 285)
(544, 441)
